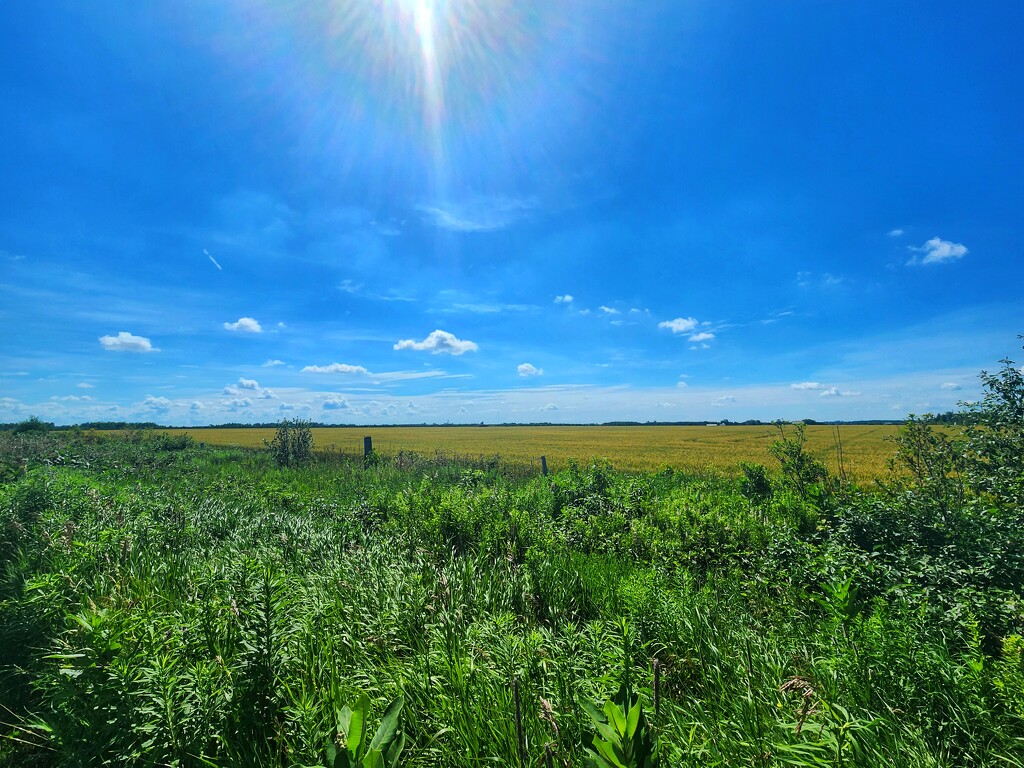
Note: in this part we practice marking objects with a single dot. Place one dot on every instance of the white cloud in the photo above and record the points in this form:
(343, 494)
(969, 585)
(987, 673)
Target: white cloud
(239, 403)
(336, 404)
(703, 336)
(835, 392)
(71, 398)
(896, 232)
(806, 385)
(336, 368)
(679, 325)
(528, 369)
(248, 384)
(244, 325)
(608, 310)
(950, 385)
(566, 299)
(156, 403)
(938, 251)
(273, 363)
(550, 407)
(723, 400)
(126, 342)
(84, 385)
(437, 342)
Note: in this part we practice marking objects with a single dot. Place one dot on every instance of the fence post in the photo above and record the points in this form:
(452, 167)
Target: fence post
(544, 465)
(367, 446)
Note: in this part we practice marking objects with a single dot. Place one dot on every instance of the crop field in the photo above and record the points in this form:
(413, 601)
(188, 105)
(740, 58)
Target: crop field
(865, 449)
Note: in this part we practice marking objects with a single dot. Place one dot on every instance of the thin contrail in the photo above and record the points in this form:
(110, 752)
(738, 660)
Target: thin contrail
(218, 266)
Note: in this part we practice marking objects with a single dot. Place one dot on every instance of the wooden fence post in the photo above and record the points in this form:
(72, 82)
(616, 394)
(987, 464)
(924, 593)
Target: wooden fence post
(544, 465)
(367, 446)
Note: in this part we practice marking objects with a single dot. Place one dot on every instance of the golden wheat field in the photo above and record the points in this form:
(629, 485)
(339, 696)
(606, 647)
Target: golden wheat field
(865, 449)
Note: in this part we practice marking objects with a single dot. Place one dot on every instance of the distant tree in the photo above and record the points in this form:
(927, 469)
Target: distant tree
(32, 424)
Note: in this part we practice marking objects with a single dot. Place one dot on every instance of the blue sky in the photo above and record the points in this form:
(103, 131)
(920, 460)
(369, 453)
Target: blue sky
(412, 211)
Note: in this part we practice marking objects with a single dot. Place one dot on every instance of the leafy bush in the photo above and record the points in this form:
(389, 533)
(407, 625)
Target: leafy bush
(293, 443)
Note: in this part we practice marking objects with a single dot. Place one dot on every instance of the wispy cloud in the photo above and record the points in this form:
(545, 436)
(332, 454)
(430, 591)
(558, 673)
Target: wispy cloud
(439, 342)
(835, 392)
(564, 299)
(938, 251)
(898, 232)
(482, 214)
(244, 325)
(806, 385)
(528, 369)
(127, 342)
(273, 363)
(950, 385)
(702, 336)
(608, 310)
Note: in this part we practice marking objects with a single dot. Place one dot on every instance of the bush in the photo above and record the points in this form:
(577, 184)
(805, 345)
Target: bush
(293, 443)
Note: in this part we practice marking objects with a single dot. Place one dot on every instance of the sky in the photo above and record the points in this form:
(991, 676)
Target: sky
(466, 211)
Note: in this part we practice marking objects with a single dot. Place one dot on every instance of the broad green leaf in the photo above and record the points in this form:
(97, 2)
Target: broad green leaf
(593, 712)
(388, 724)
(615, 716)
(632, 720)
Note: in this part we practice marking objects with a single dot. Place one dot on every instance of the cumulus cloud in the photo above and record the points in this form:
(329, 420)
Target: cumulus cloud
(437, 342)
(938, 251)
(239, 403)
(550, 407)
(679, 325)
(336, 404)
(703, 336)
(528, 369)
(950, 385)
(273, 363)
(566, 299)
(245, 386)
(723, 400)
(244, 325)
(806, 385)
(336, 368)
(156, 403)
(126, 342)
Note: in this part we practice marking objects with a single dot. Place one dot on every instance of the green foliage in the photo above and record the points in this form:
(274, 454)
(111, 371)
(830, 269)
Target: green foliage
(292, 444)
(801, 472)
(755, 484)
(351, 748)
(33, 424)
(995, 439)
(168, 604)
(624, 738)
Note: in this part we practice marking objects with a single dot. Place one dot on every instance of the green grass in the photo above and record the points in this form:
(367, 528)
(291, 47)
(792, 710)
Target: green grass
(162, 604)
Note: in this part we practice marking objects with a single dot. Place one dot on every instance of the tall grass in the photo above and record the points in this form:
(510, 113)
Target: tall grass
(176, 605)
